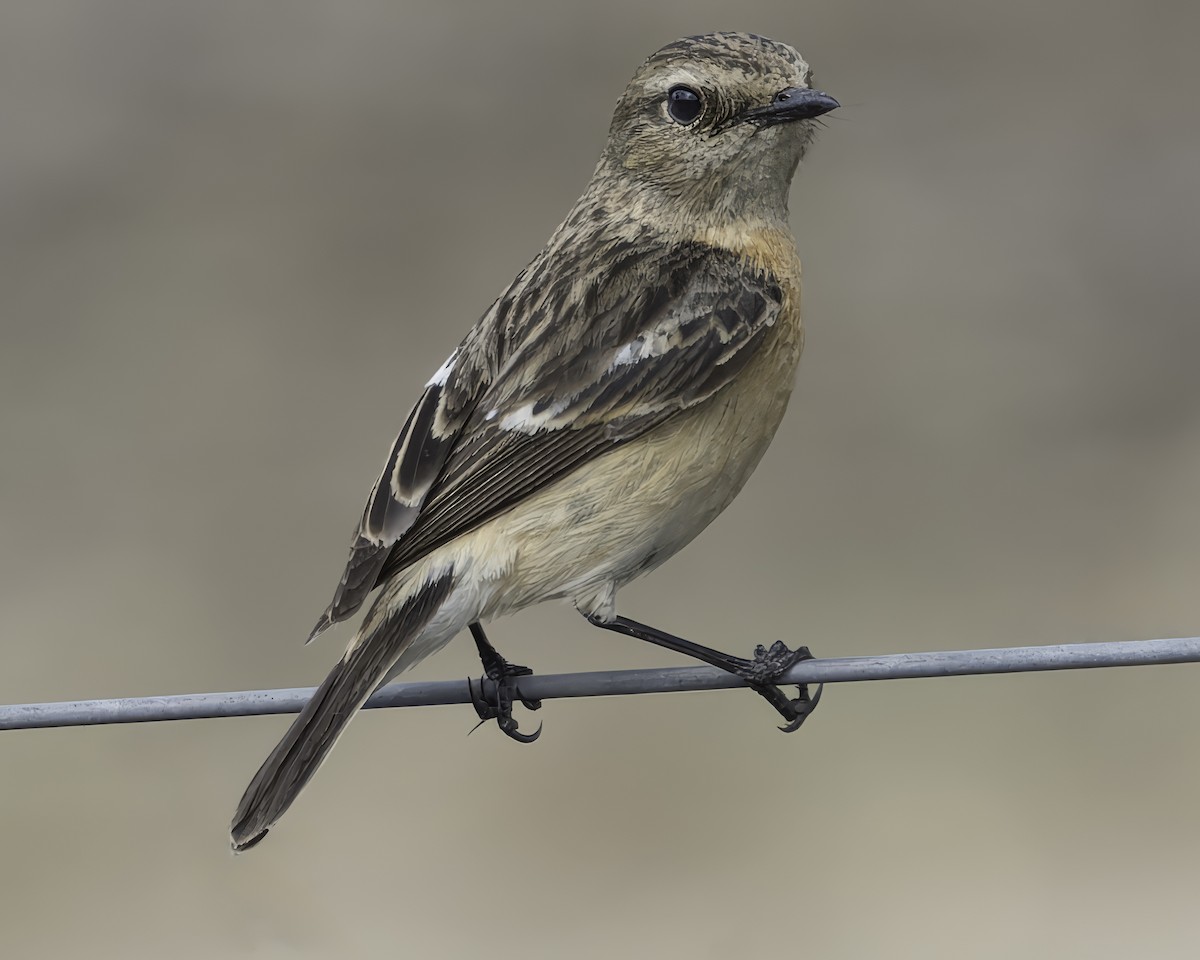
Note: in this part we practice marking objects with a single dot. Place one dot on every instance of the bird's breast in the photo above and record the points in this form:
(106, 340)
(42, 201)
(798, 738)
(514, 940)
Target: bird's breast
(629, 510)
(766, 246)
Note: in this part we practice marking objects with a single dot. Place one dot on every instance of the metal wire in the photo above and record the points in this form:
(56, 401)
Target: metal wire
(949, 663)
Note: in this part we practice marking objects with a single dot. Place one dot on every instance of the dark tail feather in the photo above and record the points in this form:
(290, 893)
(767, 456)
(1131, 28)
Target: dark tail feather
(367, 559)
(310, 738)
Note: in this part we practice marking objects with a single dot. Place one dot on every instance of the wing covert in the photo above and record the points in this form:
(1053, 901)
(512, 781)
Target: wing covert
(562, 369)
(677, 343)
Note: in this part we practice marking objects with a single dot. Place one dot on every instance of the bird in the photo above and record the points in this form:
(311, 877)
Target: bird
(606, 407)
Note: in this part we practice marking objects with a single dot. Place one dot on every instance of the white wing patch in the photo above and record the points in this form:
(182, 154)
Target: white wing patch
(660, 340)
(524, 420)
(443, 372)
(535, 416)
(655, 343)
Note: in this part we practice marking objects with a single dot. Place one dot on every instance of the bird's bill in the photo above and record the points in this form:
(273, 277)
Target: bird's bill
(794, 103)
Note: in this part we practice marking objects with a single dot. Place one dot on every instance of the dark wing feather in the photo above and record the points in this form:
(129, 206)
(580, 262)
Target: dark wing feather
(525, 433)
(571, 362)
(412, 467)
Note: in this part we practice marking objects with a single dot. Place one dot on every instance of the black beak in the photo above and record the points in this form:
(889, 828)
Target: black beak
(794, 103)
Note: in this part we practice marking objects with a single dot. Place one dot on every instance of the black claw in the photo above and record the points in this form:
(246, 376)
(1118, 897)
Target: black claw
(504, 676)
(482, 707)
(509, 729)
(766, 667)
(803, 706)
(501, 709)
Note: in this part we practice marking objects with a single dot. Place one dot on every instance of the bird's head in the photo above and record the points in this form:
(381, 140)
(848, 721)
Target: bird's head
(719, 121)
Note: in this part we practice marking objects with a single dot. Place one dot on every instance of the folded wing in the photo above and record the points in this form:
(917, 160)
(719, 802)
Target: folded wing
(555, 375)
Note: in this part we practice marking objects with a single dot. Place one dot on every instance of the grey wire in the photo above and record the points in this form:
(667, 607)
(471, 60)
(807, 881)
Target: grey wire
(950, 663)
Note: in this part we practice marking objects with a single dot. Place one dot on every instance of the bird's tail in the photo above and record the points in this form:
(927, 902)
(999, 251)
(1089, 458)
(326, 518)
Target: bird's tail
(310, 738)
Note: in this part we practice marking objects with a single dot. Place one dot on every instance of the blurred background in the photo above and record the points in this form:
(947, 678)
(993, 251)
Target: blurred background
(236, 238)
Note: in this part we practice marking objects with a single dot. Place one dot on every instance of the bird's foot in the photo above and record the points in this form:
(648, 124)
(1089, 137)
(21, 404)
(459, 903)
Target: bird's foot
(762, 673)
(504, 679)
(768, 665)
(499, 708)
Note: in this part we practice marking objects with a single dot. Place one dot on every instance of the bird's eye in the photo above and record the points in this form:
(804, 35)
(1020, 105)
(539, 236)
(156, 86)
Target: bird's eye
(683, 104)
(783, 96)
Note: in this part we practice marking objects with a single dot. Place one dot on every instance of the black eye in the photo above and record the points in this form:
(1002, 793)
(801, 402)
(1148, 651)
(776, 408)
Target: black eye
(683, 104)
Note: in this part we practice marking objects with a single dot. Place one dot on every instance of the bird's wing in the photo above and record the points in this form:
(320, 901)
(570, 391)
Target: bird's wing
(413, 466)
(565, 398)
(559, 372)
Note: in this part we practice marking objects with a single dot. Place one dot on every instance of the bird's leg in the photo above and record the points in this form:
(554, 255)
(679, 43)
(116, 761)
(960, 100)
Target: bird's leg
(504, 676)
(761, 673)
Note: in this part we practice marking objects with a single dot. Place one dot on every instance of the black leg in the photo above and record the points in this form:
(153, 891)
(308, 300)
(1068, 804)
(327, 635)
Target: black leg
(760, 673)
(503, 674)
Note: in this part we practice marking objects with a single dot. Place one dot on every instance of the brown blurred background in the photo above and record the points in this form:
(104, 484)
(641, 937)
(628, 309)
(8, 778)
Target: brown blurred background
(235, 239)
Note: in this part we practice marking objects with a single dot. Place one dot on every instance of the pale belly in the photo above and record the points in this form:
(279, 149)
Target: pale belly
(632, 509)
